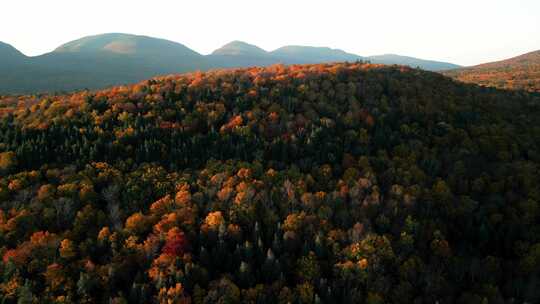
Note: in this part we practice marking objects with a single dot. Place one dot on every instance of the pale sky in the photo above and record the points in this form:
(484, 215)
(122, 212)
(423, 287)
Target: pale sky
(464, 32)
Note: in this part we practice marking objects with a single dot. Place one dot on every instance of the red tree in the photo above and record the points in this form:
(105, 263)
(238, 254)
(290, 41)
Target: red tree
(176, 244)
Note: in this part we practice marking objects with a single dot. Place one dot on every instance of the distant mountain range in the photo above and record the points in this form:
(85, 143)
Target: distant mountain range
(112, 59)
(520, 73)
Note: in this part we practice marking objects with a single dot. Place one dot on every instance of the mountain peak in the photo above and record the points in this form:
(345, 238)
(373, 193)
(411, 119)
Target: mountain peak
(120, 43)
(240, 48)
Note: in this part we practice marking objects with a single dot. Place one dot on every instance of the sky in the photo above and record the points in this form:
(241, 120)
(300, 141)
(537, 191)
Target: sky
(465, 32)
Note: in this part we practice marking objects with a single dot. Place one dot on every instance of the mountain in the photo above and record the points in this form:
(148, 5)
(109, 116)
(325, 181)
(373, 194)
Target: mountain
(104, 60)
(9, 54)
(242, 54)
(237, 54)
(518, 73)
(99, 61)
(428, 65)
(240, 48)
(127, 44)
(310, 54)
(328, 183)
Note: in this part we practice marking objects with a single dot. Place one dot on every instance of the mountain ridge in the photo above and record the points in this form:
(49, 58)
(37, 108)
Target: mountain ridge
(102, 60)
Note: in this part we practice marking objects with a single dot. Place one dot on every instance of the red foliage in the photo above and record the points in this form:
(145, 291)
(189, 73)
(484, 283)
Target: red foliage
(176, 244)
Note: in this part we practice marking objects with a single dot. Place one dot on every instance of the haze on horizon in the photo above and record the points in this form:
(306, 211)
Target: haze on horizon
(461, 32)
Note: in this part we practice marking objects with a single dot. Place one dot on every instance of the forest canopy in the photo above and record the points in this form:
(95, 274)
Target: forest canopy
(329, 183)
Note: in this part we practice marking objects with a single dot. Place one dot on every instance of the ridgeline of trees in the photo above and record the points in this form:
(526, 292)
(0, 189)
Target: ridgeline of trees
(332, 183)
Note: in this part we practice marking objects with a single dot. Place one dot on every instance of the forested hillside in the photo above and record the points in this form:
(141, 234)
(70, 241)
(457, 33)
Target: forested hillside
(330, 183)
(518, 73)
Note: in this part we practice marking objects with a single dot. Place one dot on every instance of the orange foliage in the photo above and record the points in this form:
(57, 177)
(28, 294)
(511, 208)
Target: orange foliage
(162, 205)
(236, 121)
(214, 219)
(183, 197)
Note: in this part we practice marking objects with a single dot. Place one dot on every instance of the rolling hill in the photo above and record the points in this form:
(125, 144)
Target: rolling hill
(327, 183)
(112, 59)
(518, 73)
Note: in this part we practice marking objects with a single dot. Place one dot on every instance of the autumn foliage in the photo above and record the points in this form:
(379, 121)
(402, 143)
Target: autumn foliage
(519, 73)
(331, 183)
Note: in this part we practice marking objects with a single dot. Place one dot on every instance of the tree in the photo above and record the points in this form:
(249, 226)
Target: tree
(25, 295)
(8, 161)
(176, 243)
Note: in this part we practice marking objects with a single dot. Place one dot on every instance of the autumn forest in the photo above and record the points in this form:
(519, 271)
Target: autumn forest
(326, 183)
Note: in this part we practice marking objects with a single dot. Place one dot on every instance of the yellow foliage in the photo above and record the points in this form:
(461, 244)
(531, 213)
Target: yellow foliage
(271, 172)
(294, 221)
(8, 160)
(67, 189)
(9, 288)
(131, 242)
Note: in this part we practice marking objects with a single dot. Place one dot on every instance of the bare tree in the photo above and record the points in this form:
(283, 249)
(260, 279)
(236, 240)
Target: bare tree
(110, 195)
(64, 210)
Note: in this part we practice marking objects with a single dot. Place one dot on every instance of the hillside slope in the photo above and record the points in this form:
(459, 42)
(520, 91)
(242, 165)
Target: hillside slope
(330, 183)
(518, 73)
